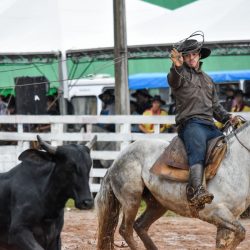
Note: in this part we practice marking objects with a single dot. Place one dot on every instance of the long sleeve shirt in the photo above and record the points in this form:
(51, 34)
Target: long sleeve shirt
(195, 95)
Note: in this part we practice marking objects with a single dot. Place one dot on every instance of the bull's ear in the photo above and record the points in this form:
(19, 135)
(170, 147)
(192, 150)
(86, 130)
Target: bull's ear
(34, 155)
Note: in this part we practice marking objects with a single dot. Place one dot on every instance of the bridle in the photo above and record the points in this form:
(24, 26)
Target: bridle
(234, 127)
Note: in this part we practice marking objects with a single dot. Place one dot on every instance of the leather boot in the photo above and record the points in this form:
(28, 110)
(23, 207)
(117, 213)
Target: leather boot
(200, 195)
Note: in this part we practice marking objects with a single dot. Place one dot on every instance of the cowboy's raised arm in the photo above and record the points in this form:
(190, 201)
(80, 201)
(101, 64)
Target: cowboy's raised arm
(174, 77)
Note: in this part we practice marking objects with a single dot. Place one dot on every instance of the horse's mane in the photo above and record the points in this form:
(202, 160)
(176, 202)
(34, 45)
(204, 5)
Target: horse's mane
(238, 130)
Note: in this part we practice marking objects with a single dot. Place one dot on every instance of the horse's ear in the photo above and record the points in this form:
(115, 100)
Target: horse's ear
(34, 156)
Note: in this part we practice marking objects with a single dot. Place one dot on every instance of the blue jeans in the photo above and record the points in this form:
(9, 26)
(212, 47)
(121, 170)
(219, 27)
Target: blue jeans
(195, 134)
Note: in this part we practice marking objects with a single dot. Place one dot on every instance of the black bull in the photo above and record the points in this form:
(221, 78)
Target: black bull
(33, 195)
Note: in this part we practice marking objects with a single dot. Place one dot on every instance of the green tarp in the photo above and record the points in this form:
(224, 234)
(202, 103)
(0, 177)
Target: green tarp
(8, 71)
(170, 4)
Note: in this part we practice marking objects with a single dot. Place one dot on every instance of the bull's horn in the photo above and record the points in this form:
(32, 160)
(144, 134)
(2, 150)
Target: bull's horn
(92, 142)
(46, 146)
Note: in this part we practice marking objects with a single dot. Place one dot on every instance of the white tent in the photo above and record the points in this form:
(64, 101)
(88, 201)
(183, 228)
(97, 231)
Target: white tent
(221, 20)
(52, 25)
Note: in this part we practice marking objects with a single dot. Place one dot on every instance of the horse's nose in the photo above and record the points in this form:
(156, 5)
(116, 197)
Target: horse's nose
(86, 204)
(89, 203)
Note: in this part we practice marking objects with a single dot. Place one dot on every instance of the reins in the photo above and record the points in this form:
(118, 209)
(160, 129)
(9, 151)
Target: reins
(240, 142)
(227, 125)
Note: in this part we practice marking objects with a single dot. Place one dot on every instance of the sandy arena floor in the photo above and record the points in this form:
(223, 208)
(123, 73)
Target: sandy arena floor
(171, 233)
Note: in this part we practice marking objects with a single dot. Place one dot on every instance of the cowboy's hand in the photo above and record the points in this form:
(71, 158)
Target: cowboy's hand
(234, 120)
(176, 57)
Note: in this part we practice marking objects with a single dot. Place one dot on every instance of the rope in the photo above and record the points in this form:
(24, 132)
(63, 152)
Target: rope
(198, 33)
(240, 142)
(198, 45)
(228, 125)
(241, 120)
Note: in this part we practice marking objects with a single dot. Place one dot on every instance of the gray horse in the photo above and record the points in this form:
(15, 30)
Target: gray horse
(129, 180)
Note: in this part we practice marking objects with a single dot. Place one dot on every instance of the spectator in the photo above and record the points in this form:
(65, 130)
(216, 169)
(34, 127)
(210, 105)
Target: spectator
(3, 111)
(52, 107)
(238, 104)
(172, 111)
(108, 102)
(51, 110)
(3, 106)
(133, 111)
(155, 109)
(10, 110)
(108, 107)
(229, 99)
(172, 106)
(143, 99)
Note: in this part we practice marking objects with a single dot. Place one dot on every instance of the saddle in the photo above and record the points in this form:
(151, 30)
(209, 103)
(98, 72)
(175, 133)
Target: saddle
(173, 162)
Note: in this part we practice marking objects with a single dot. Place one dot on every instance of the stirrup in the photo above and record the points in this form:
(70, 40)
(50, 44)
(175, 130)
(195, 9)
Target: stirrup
(195, 197)
(190, 192)
(202, 196)
(194, 207)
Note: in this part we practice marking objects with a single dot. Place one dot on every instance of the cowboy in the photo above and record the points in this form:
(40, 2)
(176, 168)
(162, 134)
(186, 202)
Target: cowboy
(196, 106)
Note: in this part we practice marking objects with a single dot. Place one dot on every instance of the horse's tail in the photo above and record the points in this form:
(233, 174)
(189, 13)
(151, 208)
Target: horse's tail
(108, 209)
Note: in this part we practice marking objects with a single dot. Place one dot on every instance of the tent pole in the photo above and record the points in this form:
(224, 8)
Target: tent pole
(63, 79)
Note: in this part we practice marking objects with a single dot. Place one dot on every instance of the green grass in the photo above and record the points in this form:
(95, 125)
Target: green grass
(143, 207)
(70, 203)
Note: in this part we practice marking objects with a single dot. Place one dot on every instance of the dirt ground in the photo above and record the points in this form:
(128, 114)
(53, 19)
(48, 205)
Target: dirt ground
(171, 233)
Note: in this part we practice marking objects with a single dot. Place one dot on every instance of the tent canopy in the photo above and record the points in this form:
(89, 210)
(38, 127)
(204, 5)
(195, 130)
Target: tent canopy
(52, 25)
(61, 25)
(159, 80)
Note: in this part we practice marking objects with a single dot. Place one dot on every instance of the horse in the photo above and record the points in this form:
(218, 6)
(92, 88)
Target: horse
(129, 180)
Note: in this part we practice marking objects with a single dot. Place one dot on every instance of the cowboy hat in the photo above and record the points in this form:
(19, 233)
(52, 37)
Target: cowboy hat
(239, 92)
(109, 92)
(143, 92)
(192, 45)
(158, 99)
